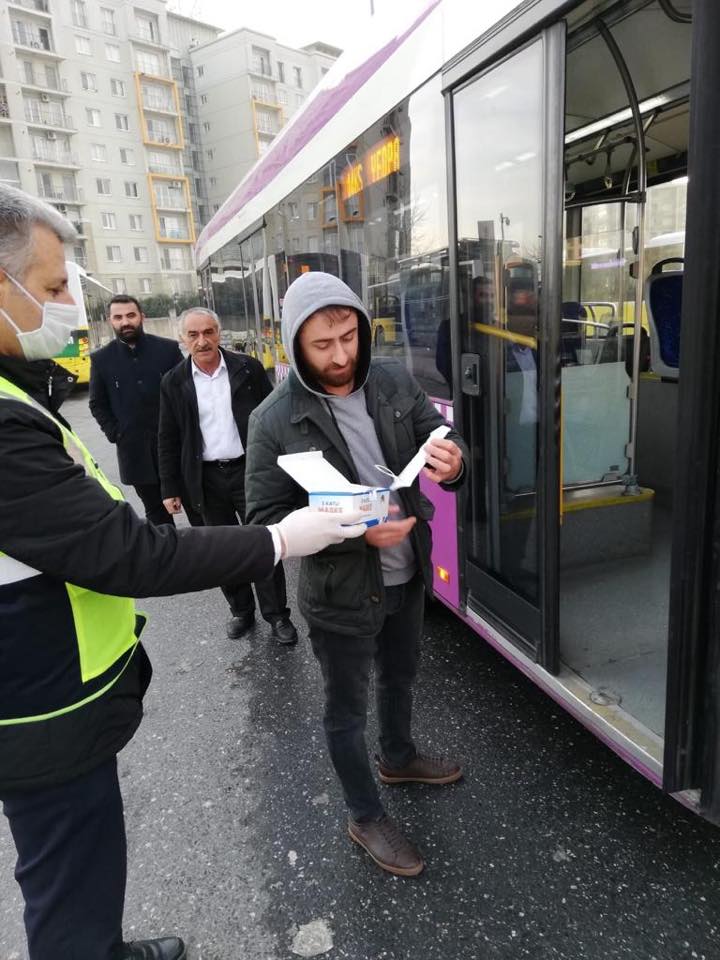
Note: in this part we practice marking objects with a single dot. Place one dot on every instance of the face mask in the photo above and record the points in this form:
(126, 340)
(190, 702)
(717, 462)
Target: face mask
(55, 331)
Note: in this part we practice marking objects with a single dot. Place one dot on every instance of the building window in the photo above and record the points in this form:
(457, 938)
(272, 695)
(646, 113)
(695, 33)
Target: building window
(299, 99)
(213, 181)
(98, 152)
(206, 126)
(141, 254)
(147, 28)
(103, 186)
(93, 116)
(201, 71)
(79, 13)
(210, 154)
(88, 81)
(312, 245)
(282, 97)
(107, 21)
(121, 121)
(118, 88)
(83, 47)
(114, 254)
(145, 285)
(112, 52)
(312, 211)
(297, 73)
(109, 220)
(127, 156)
(203, 98)
(292, 208)
(260, 62)
(118, 285)
(131, 189)
(281, 71)
(136, 221)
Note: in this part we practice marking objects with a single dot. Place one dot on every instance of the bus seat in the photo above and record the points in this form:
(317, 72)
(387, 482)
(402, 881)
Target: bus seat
(663, 296)
(571, 333)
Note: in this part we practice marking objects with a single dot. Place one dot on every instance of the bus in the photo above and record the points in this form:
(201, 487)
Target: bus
(513, 190)
(75, 356)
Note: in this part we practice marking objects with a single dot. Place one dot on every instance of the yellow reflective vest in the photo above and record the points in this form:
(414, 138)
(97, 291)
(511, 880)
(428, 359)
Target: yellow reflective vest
(104, 626)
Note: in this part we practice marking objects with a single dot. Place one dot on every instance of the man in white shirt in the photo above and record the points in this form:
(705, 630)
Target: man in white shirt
(205, 403)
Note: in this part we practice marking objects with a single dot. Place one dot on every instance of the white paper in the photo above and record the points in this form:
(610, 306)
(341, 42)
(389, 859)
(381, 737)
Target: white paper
(314, 474)
(412, 469)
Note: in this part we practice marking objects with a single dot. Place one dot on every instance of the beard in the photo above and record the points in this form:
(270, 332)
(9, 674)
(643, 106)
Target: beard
(332, 376)
(129, 334)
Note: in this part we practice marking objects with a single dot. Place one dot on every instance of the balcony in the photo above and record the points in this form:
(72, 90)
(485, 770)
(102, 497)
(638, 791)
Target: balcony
(9, 173)
(4, 109)
(166, 201)
(60, 194)
(163, 136)
(41, 81)
(36, 40)
(48, 118)
(155, 102)
(167, 168)
(180, 265)
(34, 6)
(52, 154)
(174, 233)
(149, 37)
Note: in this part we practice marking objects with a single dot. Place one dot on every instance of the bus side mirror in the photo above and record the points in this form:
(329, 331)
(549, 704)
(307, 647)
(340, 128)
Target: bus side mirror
(634, 270)
(636, 240)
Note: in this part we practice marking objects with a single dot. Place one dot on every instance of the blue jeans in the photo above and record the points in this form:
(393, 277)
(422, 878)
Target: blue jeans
(346, 662)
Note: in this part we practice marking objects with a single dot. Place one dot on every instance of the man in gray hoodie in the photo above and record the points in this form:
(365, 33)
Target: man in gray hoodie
(363, 600)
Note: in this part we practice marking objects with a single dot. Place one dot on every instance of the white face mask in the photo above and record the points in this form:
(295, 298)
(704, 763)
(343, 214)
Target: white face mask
(55, 330)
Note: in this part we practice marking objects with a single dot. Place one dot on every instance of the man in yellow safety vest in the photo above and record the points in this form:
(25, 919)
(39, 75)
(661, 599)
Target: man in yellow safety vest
(72, 669)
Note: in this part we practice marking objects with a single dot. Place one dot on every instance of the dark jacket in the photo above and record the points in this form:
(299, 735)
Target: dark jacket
(341, 589)
(125, 400)
(180, 441)
(56, 519)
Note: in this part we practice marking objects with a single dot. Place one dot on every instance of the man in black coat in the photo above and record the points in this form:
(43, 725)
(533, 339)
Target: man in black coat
(205, 404)
(125, 380)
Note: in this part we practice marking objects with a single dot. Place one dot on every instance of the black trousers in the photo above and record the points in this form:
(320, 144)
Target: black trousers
(151, 497)
(71, 865)
(223, 504)
(346, 662)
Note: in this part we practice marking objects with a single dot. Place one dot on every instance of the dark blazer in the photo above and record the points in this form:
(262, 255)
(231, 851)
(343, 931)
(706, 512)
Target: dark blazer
(180, 443)
(341, 588)
(125, 400)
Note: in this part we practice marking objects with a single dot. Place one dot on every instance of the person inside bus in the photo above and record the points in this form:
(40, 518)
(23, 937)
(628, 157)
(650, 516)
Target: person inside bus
(363, 604)
(73, 671)
(125, 378)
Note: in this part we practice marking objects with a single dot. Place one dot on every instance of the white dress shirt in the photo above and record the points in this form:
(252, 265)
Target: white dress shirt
(221, 439)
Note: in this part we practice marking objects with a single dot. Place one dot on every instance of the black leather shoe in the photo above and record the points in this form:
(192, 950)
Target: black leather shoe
(166, 948)
(283, 631)
(238, 626)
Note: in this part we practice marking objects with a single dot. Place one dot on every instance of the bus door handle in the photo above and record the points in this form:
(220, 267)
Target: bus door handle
(470, 374)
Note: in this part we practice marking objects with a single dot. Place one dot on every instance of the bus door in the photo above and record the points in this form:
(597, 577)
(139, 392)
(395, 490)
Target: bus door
(507, 135)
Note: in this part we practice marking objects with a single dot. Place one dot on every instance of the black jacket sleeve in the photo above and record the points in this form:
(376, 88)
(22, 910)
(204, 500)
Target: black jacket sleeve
(58, 520)
(169, 442)
(270, 493)
(99, 401)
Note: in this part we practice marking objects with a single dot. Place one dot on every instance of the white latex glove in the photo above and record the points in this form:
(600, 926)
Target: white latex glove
(307, 531)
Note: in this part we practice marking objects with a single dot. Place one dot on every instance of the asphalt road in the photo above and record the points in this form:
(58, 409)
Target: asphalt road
(551, 848)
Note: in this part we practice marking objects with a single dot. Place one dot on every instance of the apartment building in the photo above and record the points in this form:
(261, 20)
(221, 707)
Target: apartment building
(137, 123)
(93, 119)
(248, 86)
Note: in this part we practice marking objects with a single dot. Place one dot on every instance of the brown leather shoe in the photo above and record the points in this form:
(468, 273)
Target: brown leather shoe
(422, 769)
(387, 846)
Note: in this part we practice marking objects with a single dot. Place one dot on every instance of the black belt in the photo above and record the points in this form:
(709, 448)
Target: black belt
(224, 464)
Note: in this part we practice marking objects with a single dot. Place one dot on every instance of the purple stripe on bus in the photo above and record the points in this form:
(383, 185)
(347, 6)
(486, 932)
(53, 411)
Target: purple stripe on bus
(325, 106)
(623, 752)
(445, 541)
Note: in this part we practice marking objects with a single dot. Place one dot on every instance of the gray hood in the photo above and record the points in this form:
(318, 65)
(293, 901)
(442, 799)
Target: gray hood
(310, 292)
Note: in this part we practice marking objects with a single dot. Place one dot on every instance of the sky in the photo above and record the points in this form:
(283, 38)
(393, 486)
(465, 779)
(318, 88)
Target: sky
(292, 22)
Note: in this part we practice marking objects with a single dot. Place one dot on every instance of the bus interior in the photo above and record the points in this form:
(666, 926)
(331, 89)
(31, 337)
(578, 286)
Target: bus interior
(623, 256)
